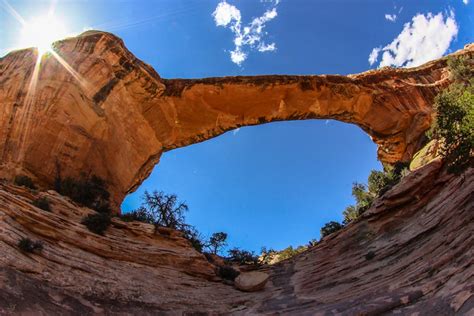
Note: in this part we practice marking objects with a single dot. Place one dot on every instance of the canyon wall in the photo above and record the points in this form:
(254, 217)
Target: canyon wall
(96, 109)
(410, 254)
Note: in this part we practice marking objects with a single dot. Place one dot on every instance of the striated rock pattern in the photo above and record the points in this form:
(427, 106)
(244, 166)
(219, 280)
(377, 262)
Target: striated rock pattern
(410, 254)
(96, 109)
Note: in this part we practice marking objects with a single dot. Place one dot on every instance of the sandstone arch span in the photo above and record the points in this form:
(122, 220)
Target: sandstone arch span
(113, 115)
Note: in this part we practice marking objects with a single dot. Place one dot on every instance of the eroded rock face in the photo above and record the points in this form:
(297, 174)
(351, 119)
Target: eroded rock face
(97, 109)
(411, 253)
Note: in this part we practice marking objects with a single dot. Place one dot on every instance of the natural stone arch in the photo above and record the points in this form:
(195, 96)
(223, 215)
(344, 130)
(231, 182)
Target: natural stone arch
(122, 116)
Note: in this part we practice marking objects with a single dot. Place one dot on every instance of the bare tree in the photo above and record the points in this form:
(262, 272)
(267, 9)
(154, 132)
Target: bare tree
(165, 209)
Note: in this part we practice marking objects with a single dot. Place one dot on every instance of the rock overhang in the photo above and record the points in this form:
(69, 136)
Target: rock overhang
(118, 123)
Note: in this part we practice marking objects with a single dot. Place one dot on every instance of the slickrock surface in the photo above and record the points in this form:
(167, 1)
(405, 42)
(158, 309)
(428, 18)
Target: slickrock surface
(103, 111)
(411, 254)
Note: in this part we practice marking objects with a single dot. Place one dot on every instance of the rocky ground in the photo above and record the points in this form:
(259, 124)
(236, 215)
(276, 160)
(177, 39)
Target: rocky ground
(411, 253)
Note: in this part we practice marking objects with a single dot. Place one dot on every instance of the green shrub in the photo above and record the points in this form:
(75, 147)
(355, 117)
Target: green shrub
(42, 203)
(330, 228)
(454, 122)
(370, 255)
(363, 197)
(27, 245)
(97, 223)
(350, 214)
(193, 236)
(217, 242)
(378, 183)
(25, 181)
(228, 273)
(460, 70)
(235, 255)
(313, 243)
(89, 192)
(273, 256)
(140, 215)
(455, 125)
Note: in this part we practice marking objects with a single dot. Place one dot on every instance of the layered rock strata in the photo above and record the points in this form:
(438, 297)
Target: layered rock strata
(92, 107)
(411, 253)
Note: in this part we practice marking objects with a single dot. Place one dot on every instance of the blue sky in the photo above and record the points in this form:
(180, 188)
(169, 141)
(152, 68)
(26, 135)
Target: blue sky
(276, 184)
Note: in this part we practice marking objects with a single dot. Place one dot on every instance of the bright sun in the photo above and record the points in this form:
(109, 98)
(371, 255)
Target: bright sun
(41, 32)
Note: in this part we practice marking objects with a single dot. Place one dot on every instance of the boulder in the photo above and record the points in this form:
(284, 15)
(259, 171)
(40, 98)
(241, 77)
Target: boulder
(251, 281)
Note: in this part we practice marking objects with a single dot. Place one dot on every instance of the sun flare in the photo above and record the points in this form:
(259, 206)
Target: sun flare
(41, 32)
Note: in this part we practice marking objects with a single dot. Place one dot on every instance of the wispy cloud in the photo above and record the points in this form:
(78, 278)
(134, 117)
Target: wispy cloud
(425, 38)
(247, 37)
(465, 1)
(235, 131)
(391, 17)
(374, 55)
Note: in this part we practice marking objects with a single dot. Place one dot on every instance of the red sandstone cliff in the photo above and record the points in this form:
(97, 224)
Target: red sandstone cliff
(420, 235)
(112, 115)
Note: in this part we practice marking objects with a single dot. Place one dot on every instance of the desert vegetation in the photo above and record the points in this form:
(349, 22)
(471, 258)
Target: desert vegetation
(378, 183)
(454, 120)
(164, 210)
(88, 191)
(42, 203)
(97, 222)
(27, 245)
(241, 257)
(91, 192)
(24, 181)
(227, 272)
(271, 256)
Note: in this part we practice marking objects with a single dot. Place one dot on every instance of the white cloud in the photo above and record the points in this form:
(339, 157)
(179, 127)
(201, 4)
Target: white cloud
(237, 56)
(225, 14)
(266, 48)
(425, 38)
(235, 131)
(465, 1)
(391, 17)
(248, 37)
(374, 55)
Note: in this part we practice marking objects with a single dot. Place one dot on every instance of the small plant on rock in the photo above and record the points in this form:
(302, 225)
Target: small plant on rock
(27, 245)
(140, 215)
(42, 203)
(193, 236)
(242, 257)
(97, 223)
(330, 228)
(228, 273)
(90, 192)
(370, 255)
(25, 181)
